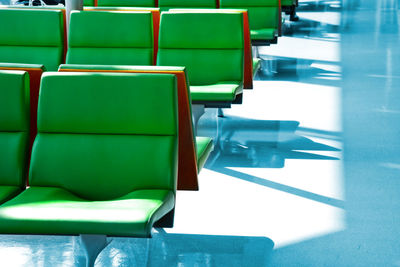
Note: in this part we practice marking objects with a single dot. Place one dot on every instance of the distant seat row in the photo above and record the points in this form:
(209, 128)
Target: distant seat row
(97, 166)
(264, 15)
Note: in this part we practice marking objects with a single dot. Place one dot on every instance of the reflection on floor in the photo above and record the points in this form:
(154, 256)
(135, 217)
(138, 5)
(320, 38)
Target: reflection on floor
(274, 179)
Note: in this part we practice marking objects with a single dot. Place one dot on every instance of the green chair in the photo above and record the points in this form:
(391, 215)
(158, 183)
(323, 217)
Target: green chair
(211, 47)
(127, 3)
(104, 160)
(169, 4)
(14, 132)
(115, 38)
(193, 151)
(32, 36)
(264, 18)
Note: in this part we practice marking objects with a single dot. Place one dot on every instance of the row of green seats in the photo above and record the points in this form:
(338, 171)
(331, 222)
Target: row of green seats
(118, 43)
(264, 15)
(191, 162)
(98, 167)
(223, 54)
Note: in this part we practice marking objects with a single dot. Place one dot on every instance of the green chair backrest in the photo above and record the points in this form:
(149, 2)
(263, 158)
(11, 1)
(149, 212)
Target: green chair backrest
(127, 3)
(32, 36)
(262, 13)
(14, 127)
(209, 45)
(102, 135)
(168, 4)
(110, 38)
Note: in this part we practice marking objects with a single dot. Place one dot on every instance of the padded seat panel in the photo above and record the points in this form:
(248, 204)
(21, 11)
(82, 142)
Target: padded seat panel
(97, 158)
(113, 56)
(204, 147)
(105, 37)
(41, 41)
(224, 91)
(49, 210)
(50, 57)
(205, 66)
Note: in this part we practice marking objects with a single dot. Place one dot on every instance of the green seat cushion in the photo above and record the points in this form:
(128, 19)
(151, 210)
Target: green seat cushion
(41, 41)
(116, 38)
(204, 147)
(8, 192)
(50, 210)
(263, 34)
(14, 127)
(127, 3)
(223, 91)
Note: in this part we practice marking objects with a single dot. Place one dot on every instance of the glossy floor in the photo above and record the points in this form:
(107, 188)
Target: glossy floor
(304, 173)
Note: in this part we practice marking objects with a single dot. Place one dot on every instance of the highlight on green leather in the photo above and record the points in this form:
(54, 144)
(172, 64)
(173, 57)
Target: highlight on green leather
(210, 46)
(115, 38)
(105, 158)
(14, 132)
(263, 16)
(41, 41)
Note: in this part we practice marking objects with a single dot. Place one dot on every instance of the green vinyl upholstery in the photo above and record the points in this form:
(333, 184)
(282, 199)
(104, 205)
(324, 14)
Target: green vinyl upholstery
(41, 41)
(263, 16)
(168, 4)
(193, 151)
(14, 132)
(127, 3)
(210, 46)
(105, 158)
(115, 38)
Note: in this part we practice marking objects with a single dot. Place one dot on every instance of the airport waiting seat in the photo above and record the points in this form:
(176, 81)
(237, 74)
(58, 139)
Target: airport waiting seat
(115, 38)
(169, 4)
(98, 166)
(211, 47)
(14, 132)
(264, 18)
(155, 12)
(193, 151)
(41, 41)
(126, 3)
